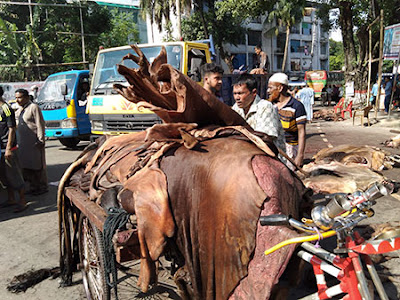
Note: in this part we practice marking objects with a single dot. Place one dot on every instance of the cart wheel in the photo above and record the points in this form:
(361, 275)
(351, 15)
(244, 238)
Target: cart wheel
(91, 253)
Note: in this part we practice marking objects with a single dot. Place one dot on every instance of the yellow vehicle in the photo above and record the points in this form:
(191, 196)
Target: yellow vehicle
(109, 112)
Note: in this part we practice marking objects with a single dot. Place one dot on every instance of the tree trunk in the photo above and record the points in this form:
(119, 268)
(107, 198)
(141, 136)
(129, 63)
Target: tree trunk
(203, 21)
(346, 24)
(286, 48)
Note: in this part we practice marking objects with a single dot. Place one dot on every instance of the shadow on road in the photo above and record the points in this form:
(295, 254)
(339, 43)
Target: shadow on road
(37, 204)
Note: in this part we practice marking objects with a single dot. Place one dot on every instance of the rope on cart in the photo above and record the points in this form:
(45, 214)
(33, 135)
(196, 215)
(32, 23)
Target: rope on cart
(116, 219)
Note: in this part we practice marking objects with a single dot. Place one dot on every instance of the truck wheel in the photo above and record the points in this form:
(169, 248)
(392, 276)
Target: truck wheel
(91, 253)
(69, 142)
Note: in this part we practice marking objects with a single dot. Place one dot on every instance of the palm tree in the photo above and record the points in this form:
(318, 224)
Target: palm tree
(286, 13)
(159, 10)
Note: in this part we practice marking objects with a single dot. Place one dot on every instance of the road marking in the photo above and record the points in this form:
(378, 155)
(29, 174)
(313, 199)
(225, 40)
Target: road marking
(323, 136)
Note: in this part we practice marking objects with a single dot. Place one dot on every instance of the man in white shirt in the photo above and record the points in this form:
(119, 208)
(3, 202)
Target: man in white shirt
(260, 114)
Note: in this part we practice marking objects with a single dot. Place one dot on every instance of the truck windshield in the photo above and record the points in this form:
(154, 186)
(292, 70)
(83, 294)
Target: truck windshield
(106, 66)
(50, 94)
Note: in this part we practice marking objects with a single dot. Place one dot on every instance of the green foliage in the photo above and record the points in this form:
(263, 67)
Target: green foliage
(286, 13)
(46, 41)
(387, 66)
(225, 29)
(123, 30)
(336, 55)
(243, 9)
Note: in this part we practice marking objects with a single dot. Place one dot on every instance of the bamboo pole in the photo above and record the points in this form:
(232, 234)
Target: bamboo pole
(370, 59)
(378, 96)
(369, 65)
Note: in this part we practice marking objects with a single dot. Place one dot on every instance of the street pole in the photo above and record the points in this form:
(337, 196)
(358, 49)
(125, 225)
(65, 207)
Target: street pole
(83, 36)
(30, 12)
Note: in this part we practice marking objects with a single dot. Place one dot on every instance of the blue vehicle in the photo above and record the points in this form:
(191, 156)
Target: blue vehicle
(63, 102)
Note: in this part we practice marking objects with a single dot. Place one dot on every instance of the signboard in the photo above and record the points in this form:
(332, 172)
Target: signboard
(316, 80)
(391, 43)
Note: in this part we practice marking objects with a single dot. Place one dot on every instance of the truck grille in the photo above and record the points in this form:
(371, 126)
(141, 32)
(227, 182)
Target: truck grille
(137, 125)
(53, 124)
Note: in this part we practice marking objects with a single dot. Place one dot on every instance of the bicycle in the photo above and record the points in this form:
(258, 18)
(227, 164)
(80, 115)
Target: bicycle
(339, 217)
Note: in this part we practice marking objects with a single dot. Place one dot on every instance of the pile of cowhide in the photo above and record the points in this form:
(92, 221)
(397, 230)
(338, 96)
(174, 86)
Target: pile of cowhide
(327, 114)
(196, 184)
(345, 168)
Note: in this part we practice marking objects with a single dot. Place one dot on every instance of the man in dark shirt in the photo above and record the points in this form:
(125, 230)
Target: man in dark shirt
(10, 172)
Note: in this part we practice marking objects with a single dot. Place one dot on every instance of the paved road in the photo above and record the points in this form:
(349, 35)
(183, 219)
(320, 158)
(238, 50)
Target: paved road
(29, 240)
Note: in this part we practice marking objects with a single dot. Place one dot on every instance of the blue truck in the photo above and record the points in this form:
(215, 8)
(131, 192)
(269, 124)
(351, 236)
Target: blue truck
(62, 100)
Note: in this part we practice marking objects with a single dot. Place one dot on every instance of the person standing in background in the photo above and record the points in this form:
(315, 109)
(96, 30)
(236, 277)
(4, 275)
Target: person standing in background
(212, 78)
(292, 115)
(388, 93)
(306, 96)
(31, 142)
(262, 61)
(10, 172)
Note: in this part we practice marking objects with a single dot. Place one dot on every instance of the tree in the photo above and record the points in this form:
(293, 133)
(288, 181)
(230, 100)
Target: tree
(55, 36)
(286, 13)
(123, 31)
(224, 29)
(354, 18)
(336, 55)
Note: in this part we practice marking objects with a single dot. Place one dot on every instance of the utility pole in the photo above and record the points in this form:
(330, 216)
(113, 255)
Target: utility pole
(82, 35)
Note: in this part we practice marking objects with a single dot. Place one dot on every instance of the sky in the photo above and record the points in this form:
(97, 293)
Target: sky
(336, 35)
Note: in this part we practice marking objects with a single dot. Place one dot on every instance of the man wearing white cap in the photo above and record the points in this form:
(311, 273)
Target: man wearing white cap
(292, 115)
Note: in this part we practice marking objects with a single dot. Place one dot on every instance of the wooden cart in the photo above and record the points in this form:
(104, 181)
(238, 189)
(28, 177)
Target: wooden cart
(82, 244)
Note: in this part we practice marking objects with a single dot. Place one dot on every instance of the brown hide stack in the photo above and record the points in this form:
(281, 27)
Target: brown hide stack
(217, 222)
(345, 169)
(198, 181)
(372, 157)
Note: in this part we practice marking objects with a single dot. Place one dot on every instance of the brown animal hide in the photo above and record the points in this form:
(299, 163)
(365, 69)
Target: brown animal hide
(327, 115)
(216, 201)
(173, 96)
(335, 177)
(283, 194)
(394, 142)
(198, 182)
(372, 157)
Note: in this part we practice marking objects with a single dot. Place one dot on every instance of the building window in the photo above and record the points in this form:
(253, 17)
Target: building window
(295, 29)
(324, 64)
(279, 61)
(306, 28)
(295, 64)
(324, 48)
(295, 46)
(254, 37)
(280, 43)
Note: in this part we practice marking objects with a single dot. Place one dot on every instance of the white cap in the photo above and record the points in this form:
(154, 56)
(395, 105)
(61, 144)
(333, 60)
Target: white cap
(279, 78)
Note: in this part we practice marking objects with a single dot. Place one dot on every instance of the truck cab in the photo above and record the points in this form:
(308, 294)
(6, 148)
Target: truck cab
(62, 100)
(108, 111)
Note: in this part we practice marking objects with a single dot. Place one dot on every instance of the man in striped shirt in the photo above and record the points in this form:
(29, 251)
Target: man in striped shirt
(292, 114)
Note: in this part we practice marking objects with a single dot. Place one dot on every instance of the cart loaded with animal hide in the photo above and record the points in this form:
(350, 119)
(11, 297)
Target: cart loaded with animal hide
(192, 189)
